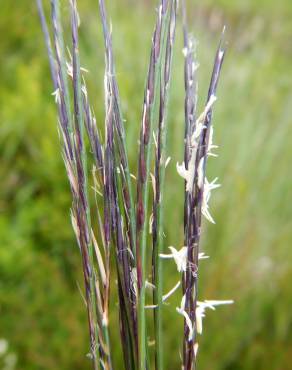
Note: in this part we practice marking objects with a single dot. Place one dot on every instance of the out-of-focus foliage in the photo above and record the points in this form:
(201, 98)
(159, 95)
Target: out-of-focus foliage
(42, 314)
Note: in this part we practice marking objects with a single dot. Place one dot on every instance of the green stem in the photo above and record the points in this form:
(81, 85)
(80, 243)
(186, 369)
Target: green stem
(145, 197)
(160, 168)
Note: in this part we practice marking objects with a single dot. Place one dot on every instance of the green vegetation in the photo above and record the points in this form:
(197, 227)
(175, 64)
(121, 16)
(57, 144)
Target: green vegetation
(42, 314)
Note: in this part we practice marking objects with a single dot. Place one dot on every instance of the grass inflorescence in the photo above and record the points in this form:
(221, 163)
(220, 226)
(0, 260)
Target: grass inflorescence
(130, 230)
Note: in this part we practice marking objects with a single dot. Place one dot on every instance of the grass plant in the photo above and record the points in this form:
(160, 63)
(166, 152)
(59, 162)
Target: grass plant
(118, 233)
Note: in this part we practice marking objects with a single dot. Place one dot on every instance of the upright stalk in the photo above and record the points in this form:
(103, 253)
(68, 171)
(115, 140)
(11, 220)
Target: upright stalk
(197, 149)
(121, 138)
(83, 208)
(122, 199)
(190, 126)
(148, 119)
(160, 165)
(73, 154)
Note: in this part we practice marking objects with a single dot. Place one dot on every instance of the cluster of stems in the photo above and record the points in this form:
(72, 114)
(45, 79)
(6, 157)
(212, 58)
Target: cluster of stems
(114, 231)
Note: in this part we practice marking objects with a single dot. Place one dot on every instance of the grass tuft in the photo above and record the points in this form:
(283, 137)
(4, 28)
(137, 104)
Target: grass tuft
(117, 245)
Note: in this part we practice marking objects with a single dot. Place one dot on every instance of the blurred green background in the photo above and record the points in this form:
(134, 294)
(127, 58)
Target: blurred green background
(42, 316)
